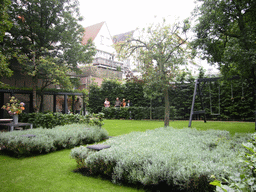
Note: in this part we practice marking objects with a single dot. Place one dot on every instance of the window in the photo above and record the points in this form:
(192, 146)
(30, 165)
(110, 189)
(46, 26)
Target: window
(102, 40)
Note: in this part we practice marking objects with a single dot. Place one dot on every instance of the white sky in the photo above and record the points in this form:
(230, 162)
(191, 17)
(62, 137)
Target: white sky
(125, 15)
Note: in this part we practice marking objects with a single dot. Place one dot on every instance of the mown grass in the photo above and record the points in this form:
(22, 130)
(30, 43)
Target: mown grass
(54, 171)
(119, 127)
(50, 172)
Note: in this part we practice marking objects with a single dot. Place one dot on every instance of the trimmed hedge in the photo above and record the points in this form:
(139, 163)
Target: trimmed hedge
(37, 141)
(136, 113)
(50, 120)
(240, 107)
(126, 113)
(181, 159)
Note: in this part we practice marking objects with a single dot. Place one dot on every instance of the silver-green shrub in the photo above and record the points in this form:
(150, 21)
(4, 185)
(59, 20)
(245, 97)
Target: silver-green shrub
(47, 140)
(245, 179)
(166, 155)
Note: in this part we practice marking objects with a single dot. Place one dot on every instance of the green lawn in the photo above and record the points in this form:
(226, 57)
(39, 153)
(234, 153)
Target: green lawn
(51, 172)
(54, 171)
(119, 127)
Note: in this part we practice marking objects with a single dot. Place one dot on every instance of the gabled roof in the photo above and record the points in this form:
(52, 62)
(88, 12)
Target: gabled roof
(91, 32)
(123, 36)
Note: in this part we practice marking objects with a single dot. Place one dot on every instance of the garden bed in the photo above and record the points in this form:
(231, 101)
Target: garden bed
(181, 159)
(38, 141)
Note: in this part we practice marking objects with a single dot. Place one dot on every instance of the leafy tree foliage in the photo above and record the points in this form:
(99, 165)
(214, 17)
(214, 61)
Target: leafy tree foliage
(226, 34)
(235, 103)
(161, 49)
(45, 40)
(4, 67)
(5, 24)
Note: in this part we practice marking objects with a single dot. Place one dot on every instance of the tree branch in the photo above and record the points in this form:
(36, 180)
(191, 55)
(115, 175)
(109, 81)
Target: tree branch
(175, 48)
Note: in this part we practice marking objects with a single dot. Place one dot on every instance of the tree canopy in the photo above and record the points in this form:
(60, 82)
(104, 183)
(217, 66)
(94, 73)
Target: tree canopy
(226, 34)
(5, 24)
(161, 48)
(45, 40)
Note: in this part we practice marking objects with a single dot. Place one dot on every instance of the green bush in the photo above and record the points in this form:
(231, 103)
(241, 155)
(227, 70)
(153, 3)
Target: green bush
(137, 113)
(180, 98)
(182, 158)
(22, 143)
(110, 112)
(50, 120)
(124, 113)
(131, 90)
(245, 179)
(95, 120)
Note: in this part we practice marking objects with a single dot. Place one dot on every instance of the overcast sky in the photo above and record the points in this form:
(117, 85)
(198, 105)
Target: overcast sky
(122, 16)
(126, 15)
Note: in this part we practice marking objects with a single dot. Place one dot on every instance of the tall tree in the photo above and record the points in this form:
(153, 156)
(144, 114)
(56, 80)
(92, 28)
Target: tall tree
(46, 40)
(5, 24)
(161, 48)
(226, 34)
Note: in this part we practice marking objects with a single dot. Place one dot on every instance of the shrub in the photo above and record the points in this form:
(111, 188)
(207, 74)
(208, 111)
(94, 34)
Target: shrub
(22, 143)
(97, 119)
(180, 97)
(184, 159)
(50, 120)
(136, 112)
(245, 179)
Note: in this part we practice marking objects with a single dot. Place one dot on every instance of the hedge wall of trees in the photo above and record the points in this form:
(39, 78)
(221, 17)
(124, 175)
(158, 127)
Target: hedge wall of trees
(236, 100)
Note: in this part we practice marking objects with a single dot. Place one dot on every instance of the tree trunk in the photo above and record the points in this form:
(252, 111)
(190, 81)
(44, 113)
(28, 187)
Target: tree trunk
(254, 88)
(151, 109)
(167, 108)
(34, 94)
(42, 103)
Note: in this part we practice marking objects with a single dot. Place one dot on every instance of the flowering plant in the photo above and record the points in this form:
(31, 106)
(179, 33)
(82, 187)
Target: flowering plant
(15, 107)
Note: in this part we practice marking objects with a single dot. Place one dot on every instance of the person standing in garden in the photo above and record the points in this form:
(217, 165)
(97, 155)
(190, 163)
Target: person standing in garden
(123, 104)
(118, 102)
(129, 104)
(106, 103)
(77, 106)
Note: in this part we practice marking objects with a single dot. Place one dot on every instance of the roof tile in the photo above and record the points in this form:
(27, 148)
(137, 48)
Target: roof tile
(123, 36)
(91, 32)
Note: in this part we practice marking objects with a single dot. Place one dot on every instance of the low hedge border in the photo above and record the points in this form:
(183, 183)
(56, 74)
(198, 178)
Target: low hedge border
(37, 141)
(50, 120)
(137, 113)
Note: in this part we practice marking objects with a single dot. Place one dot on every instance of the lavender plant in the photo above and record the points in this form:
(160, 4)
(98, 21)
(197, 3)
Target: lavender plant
(36, 141)
(167, 155)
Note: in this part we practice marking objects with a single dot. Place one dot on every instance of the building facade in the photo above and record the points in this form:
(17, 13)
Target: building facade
(105, 63)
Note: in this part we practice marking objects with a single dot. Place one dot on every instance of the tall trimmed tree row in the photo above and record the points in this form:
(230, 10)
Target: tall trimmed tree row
(238, 108)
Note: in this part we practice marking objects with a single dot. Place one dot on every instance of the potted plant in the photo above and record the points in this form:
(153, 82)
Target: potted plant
(14, 108)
